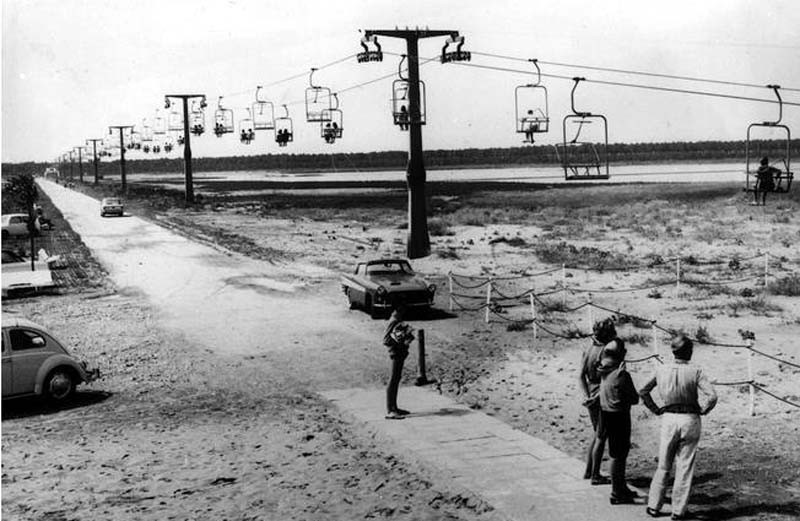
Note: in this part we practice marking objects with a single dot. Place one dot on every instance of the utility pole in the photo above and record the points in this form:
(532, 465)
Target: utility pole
(80, 162)
(418, 244)
(94, 155)
(71, 162)
(187, 147)
(121, 129)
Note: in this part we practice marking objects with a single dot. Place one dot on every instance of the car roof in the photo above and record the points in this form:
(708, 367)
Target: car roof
(112, 198)
(10, 215)
(384, 261)
(16, 320)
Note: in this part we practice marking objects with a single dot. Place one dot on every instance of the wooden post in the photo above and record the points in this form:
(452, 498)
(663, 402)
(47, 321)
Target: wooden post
(766, 272)
(590, 312)
(678, 277)
(488, 298)
(422, 379)
(533, 314)
(654, 331)
(752, 406)
(564, 284)
(450, 285)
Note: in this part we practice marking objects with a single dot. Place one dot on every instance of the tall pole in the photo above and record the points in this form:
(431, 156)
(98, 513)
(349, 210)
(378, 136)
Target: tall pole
(70, 164)
(418, 244)
(95, 158)
(80, 162)
(187, 146)
(121, 129)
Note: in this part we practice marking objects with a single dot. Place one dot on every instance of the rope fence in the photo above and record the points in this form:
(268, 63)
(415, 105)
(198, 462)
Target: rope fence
(494, 303)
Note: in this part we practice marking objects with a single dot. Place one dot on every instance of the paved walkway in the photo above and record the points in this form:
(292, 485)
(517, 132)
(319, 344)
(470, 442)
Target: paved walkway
(522, 477)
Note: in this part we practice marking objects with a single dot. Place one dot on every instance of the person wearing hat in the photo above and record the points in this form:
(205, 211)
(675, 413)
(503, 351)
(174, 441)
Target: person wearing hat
(603, 332)
(397, 337)
(686, 394)
(617, 395)
(765, 180)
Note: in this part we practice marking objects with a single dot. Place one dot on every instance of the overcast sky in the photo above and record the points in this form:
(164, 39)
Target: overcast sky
(73, 67)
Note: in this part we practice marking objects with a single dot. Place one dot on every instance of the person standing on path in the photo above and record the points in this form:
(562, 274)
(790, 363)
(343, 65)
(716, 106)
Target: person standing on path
(617, 395)
(603, 332)
(397, 337)
(686, 394)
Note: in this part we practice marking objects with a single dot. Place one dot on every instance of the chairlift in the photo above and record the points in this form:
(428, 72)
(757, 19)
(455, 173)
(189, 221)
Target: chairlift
(156, 145)
(458, 55)
(531, 109)
(331, 128)
(134, 141)
(317, 100)
(168, 143)
(197, 117)
(179, 138)
(159, 124)
(175, 120)
(583, 159)
(145, 131)
(284, 131)
(263, 113)
(755, 149)
(370, 55)
(400, 101)
(247, 131)
(223, 120)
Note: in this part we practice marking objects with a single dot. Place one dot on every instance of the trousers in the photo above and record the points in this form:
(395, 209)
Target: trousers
(680, 434)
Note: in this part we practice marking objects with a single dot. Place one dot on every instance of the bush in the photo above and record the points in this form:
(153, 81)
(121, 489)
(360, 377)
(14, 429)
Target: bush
(439, 227)
(786, 286)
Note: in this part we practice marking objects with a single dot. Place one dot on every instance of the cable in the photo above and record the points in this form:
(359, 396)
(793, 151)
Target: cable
(632, 72)
(633, 85)
(784, 400)
(751, 348)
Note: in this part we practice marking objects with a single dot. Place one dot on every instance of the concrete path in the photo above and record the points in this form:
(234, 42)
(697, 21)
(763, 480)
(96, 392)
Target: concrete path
(522, 477)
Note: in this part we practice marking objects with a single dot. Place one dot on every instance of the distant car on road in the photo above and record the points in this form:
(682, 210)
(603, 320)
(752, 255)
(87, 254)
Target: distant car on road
(35, 363)
(111, 206)
(378, 285)
(16, 225)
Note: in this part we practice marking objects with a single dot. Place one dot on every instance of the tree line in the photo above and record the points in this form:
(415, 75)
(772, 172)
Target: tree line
(469, 157)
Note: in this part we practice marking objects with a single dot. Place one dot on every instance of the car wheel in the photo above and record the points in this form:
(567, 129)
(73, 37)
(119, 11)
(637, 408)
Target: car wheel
(368, 306)
(350, 300)
(59, 385)
(5, 235)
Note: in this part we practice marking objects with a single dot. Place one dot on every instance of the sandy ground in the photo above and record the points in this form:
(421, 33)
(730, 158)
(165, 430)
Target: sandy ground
(177, 432)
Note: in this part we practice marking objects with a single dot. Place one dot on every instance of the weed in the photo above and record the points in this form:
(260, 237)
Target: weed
(585, 256)
(517, 325)
(439, 227)
(757, 306)
(637, 338)
(654, 293)
(702, 336)
(636, 322)
(787, 286)
(449, 253)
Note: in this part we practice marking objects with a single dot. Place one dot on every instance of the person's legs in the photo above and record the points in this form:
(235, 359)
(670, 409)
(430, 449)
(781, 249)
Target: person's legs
(598, 446)
(684, 462)
(670, 436)
(594, 416)
(394, 382)
(619, 442)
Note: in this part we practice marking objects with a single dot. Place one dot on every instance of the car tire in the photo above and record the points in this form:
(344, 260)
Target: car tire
(59, 386)
(5, 235)
(368, 306)
(350, 301)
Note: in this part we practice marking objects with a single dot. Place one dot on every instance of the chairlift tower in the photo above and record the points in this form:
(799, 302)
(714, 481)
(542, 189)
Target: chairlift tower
(80, 162)
(71, 162)
(121, 129)
(187, 147)
(94, 156)
(418, 239)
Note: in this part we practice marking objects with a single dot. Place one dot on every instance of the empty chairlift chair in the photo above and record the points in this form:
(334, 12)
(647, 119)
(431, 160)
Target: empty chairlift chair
(584, 151)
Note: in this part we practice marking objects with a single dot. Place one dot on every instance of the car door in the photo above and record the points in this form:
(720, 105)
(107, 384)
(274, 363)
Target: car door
(8, 370)
(359, 291)
(17, 225)
(29, 350)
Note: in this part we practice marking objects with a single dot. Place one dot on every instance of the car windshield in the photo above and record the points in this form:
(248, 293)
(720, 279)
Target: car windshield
(389, 268)
(113, 201)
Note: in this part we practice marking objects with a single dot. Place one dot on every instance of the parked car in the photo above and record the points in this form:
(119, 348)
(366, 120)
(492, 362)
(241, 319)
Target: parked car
(35, 363)
(111, 206)
(378, 285)
(16, 225)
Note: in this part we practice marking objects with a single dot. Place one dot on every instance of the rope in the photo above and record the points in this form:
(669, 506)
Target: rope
(784, 400)
(638, 360)
(773, 357)
(743, 382)
(560, 335)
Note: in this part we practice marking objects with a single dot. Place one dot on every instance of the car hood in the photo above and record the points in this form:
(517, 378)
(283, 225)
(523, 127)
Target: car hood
(400, 282)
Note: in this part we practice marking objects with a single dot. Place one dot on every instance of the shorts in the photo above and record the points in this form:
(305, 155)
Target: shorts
(398, 352)
(616, 428)
(594, 412)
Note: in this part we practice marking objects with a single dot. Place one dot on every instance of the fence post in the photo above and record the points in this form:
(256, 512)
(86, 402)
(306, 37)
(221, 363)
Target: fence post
(488, 298)
(678, 277)
(533, 314)
(752, 407)
(564, 284)
(422, 379)
(450, 285)
(590, 312)
(655, 338)
(766, 272)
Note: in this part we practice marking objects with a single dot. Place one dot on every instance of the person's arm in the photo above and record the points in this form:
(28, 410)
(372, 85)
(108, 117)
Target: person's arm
(647, 399)
(706, 395)
(582, 375)
(629, 390)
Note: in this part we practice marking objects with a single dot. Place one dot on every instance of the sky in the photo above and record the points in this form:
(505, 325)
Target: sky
(71, 68)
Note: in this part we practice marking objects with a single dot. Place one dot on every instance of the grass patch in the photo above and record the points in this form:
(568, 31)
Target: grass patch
(756, 306)
(439, 227)
(786, 286)
(583, 257)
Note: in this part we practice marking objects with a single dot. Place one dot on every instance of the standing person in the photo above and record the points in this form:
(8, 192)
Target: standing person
(765, 181)
(617, 395)
(603, 332)
(396, 338)
(686, 394)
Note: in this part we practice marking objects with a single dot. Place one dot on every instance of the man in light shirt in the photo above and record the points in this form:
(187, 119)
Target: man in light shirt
(686, 394)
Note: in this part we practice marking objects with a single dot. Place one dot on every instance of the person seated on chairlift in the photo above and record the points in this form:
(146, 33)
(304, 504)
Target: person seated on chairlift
(403, 117)
(765, 180)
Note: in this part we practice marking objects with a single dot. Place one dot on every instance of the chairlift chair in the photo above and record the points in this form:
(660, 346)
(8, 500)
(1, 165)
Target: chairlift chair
(284, 130)
(531, 108)
(168, 143)
(175, 120)
(317, 100)
(146, 132)
(331, 128)
(197, 117)
(583, 159)
(457, 55)
(159, 124)
(400, 101)
(223, 120)
(247, 131)
(263, 113)
(783, 176)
